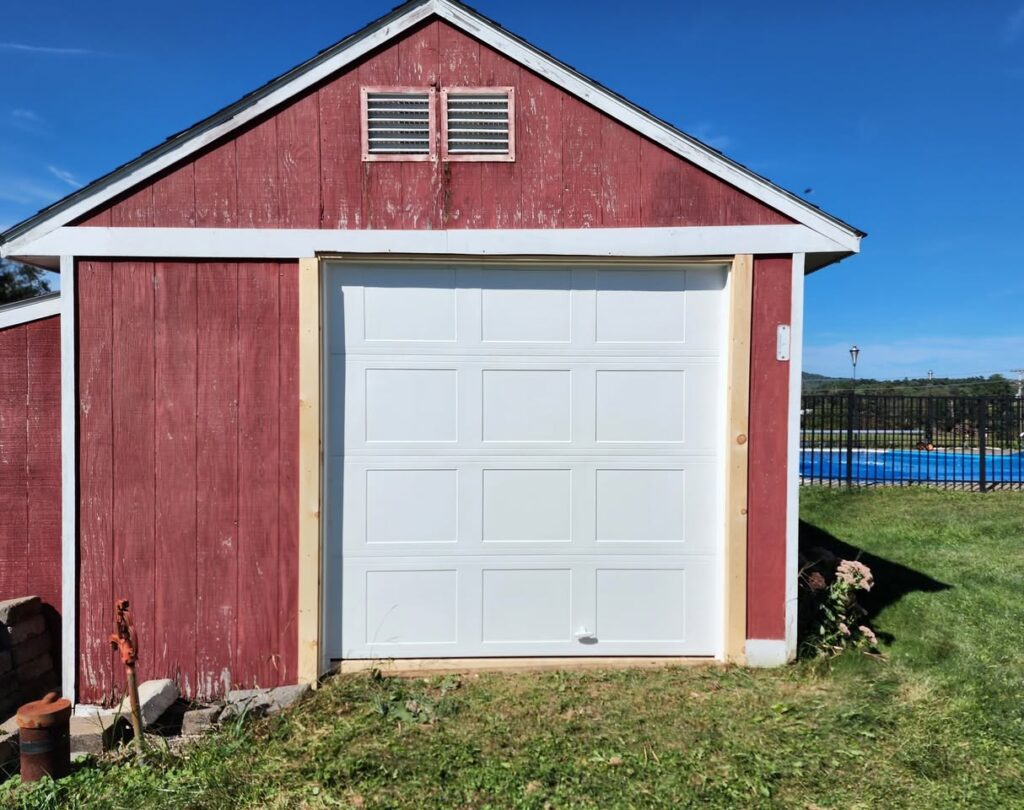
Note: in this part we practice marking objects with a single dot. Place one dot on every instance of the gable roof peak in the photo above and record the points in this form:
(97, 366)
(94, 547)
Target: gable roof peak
(392, 25)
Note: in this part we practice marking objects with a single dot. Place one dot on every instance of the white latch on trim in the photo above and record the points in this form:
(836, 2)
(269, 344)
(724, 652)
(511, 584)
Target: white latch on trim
(782, 342)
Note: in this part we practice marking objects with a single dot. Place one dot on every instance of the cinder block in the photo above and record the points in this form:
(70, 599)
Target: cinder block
(24, 630)
(28, 650)
(13, 611)
(35, 670)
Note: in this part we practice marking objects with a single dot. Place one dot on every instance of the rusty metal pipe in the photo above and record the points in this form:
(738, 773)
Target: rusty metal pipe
(43, 738)
(126, 641)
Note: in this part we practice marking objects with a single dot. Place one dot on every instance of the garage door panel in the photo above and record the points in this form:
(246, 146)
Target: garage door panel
(524, 306)
(526, 606)
(540, 605)
(523, 460)
(528, 507)
(516, 405)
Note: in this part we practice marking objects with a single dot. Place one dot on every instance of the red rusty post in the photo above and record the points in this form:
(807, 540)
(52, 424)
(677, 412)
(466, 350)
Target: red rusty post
(43, 738)
(127, 643)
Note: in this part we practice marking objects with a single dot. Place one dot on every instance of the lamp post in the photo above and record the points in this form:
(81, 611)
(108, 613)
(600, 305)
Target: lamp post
(854, 353)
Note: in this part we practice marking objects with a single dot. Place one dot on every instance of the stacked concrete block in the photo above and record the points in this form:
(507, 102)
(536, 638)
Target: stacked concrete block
(27, 669)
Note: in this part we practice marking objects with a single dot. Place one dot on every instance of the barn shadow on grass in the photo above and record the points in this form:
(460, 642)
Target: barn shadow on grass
(893, 581)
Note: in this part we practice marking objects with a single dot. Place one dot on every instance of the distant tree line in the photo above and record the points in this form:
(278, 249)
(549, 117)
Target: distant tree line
(995, 385)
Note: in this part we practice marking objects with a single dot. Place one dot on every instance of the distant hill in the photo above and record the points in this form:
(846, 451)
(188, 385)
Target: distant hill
(994, 386)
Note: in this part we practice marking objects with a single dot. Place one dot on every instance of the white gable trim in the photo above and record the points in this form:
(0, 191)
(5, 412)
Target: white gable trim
(295, 243)
(321, 67)
(646, 124)
(29, 310)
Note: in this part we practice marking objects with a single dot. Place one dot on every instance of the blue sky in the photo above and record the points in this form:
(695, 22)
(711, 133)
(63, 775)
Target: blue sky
(905, 119)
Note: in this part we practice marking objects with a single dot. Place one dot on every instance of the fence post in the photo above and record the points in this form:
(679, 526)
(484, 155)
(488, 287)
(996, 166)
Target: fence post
(850, 405)
(982, 427)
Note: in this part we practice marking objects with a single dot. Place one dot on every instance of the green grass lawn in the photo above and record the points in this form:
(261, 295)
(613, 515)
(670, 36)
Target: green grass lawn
(939, 723)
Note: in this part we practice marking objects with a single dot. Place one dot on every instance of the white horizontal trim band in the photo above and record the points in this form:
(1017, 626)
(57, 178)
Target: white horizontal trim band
(30, 311)
(293, 243)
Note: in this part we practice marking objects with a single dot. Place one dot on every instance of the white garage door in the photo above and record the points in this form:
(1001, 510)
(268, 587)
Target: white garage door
(523, 460)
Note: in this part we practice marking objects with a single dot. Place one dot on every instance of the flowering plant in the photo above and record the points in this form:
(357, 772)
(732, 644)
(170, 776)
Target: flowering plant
(834, 618)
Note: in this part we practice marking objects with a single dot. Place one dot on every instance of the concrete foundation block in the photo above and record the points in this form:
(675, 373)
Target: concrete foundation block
(156, 697)
(13, 611)
(199, 721)
(37, 669)
(29, 650)
(24, 630)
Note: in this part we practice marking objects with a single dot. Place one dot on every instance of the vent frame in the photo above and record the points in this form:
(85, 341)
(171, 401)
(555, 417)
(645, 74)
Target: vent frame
(364, 123)
(490, 157)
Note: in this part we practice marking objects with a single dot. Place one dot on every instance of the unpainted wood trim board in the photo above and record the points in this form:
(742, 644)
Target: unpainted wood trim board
(310, 455)
(418, 667)
(741, 285)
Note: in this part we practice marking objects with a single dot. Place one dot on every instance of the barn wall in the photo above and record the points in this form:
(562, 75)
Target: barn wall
(30, 547)
(301, 167)
(769, 445)
(188, 464)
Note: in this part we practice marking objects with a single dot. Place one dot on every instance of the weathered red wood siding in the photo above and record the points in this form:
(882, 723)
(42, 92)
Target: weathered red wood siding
(769, 446)
(30, 548)
(188, 462)
(300, 167)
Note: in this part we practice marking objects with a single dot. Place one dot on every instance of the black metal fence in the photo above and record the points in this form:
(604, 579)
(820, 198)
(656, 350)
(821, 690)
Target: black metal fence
(955, 442)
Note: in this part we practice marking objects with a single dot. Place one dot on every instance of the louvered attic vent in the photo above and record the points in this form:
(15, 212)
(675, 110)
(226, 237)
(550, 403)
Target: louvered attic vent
(478, 123)
(398, 123)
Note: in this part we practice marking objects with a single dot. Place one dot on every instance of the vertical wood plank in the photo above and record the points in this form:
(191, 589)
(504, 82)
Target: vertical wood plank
(288, 486)
(216, 190)
(95, 478)
(310, 453)
(501, 186)
(460, 67)
(174, 199)
(539, 151)
(258, 448)
(257, 176)
(134, 210)
(43, 459)
(769, 442)
(422, 190)
(620, 175)
(134, 570)
(581, 165)
(737, 430)
(341, 167)
(217, 476)
(175, 473)
(98, 219)
(298, 145)
(382, 180)
(659, 186)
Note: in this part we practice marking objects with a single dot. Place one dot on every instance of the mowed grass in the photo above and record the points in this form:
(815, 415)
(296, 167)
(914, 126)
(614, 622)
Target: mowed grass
(939, 723)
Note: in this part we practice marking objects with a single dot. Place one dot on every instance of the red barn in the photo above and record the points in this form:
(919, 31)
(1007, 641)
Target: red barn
(430, 348)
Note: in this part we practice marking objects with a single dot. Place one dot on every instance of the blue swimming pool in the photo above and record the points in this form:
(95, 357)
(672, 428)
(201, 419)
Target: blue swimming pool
(910, 466)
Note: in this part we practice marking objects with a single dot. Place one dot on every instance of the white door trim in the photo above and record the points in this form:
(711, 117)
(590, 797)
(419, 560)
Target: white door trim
(69, 478)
